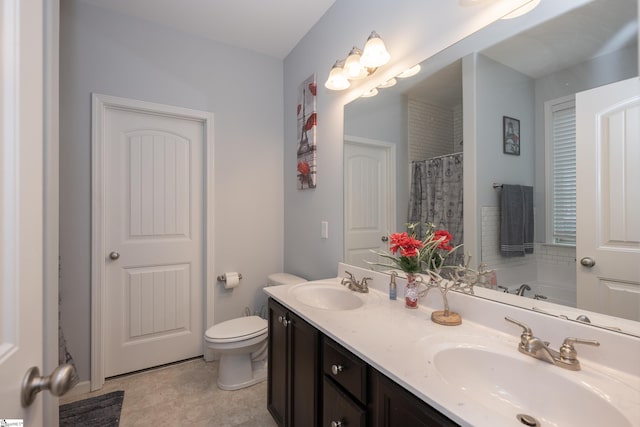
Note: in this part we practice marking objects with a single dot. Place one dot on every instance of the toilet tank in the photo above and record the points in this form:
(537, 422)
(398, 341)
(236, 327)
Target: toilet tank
(277, 279)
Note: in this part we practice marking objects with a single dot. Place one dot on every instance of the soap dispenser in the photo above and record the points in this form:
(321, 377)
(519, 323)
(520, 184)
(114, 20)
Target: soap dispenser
(392, 286)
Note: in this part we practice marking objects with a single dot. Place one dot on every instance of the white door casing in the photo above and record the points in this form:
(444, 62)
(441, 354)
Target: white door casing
(369, 201)
(21, 203)
(608, 198)
(152, 204)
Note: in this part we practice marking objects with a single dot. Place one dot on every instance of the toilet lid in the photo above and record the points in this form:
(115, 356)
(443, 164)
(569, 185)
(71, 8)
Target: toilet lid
(242, 328)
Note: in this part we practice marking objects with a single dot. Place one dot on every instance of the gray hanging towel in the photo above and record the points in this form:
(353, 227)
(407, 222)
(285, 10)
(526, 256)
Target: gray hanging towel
(516, 220)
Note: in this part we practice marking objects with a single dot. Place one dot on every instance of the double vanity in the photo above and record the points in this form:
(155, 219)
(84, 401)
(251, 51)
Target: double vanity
(343, 358)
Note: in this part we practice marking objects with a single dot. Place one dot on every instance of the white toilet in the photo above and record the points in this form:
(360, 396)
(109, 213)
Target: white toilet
(242, 344)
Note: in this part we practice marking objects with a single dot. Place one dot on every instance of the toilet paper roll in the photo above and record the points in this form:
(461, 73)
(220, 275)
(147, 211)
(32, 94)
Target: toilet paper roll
(233, 279)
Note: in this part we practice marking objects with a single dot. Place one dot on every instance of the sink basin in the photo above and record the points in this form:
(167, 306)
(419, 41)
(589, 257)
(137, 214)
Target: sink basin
(517, 384)
(327, 295)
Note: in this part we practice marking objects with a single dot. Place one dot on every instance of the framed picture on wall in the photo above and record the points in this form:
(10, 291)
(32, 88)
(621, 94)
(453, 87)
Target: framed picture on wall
(307, 123)
(511, 136)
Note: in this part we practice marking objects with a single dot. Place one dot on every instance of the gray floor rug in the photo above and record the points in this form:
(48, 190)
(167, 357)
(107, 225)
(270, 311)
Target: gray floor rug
(99, 411)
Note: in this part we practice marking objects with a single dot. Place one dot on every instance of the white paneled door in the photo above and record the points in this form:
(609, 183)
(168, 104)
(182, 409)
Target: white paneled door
(154, 239)
(608, 199)
(369, 211)
(21, 205)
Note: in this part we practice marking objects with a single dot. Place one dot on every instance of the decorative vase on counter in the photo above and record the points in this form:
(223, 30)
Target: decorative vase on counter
(411, 293)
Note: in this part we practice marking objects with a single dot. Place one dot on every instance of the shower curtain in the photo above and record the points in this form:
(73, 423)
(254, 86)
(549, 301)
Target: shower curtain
(436, 197)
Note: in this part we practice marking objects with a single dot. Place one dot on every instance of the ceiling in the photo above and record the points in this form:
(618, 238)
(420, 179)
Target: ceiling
(269, 27)
(595, 29)
(590, 31)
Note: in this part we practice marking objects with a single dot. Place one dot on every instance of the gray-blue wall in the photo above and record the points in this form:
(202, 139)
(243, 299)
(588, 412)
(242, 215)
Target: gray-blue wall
(413, 30)
(105, 52)
(619, 65)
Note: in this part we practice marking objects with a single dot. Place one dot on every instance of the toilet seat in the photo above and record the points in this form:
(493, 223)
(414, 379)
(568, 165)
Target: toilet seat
(240, 329)
(241, 345)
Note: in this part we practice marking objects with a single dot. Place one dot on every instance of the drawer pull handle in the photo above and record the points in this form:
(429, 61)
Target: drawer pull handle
(336, 369)
(336, 423)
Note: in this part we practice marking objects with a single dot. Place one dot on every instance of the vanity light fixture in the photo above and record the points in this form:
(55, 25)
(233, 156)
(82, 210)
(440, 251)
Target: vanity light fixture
(410, 72)
(352, 66)
(370, 93)
(375, 53)
(389, 83)
(525, 8)
(337, 79)
(359, 64)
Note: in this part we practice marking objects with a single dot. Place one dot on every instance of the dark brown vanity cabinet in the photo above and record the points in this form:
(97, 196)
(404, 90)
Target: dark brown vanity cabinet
(314, 381)
(293, 376)
(396, 407)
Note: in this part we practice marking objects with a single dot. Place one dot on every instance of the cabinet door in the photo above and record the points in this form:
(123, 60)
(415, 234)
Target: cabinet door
(304, 348)
(396, 407)
(277, 364)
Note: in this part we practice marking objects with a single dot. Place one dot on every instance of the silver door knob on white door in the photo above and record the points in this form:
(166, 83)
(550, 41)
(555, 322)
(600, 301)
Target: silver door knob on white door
(114, 255)
(58, 383)
(588, 262)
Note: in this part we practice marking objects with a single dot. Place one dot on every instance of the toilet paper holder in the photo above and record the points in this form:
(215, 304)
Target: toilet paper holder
(223, 277)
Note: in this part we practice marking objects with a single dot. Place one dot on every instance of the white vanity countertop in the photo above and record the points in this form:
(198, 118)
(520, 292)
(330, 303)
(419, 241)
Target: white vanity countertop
(401, 342)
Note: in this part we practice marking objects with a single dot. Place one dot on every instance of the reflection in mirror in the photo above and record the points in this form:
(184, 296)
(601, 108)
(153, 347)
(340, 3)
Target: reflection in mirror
(535, 78)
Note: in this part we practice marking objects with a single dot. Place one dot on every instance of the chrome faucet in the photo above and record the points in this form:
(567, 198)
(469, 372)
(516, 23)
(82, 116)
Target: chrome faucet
(353, 284)
(566, 358)
(583, 318)
(522, 288)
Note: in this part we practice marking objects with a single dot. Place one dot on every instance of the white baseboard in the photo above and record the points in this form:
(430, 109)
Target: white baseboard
(81, 388)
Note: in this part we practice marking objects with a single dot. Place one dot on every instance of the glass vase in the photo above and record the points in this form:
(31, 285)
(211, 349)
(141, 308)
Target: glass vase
(411, 293)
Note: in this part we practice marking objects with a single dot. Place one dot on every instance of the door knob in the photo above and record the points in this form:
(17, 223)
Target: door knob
(114, 255)
(58, 383)
(588, 262)
(384, 238)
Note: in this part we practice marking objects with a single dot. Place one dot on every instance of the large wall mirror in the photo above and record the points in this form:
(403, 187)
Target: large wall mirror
(460, 114)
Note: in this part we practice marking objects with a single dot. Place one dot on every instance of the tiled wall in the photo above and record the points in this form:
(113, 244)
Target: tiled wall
(431, 130)
(547, 264)
(556, 264)
(457, 128)
(490, 241)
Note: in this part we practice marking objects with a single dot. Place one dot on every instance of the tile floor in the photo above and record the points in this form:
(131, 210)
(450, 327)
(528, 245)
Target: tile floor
(185, 394)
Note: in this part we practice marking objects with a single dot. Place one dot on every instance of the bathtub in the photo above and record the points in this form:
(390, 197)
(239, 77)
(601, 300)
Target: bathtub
(554, 292)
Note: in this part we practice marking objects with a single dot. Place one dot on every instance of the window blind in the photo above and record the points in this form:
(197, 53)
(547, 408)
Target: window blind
(563, 134)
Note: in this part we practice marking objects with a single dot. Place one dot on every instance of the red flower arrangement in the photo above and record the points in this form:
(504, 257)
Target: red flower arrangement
(419, 255)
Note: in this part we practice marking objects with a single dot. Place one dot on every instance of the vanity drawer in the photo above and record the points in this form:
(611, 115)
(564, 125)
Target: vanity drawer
(345, 368)
(340, 409)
